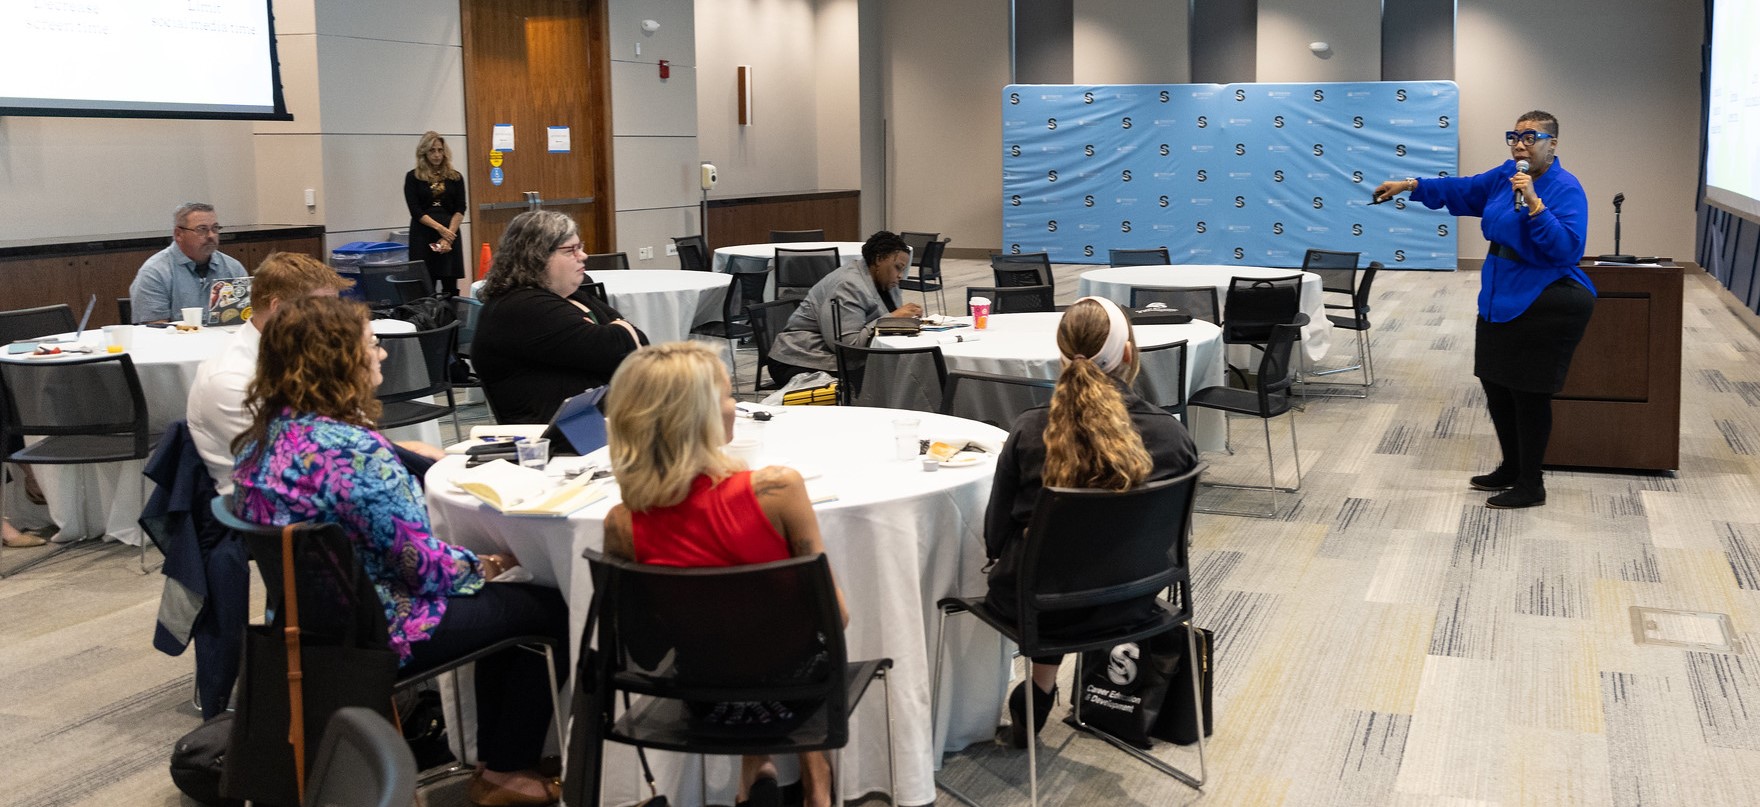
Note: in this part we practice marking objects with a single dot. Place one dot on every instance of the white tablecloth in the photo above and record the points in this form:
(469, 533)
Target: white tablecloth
(898, 540)
(666, 303)
(1025, 345)
(105, 499)
(1115, 284)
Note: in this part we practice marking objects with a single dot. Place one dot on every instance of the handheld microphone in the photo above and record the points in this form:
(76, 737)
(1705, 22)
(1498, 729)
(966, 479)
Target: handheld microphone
(1618, 199)
(1521, 201)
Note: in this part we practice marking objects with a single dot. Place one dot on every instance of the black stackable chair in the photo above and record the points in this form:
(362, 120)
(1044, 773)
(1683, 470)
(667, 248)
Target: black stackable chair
(1138, 257)
(1161, 379)
(893, 378)
(993, 398)
(1024, 269)
(409, 379)
(744, 288)
(1254, 306)
(1270, 398)
(1015, 299)
(608, 262)
(1355, 318)
(363, 761)
(798, 270)
(87, 410)
(767, 321)
(1065, 567)
(1199, 301)
(928, 278)
(693, 253)
(796, 236)
(687, 639)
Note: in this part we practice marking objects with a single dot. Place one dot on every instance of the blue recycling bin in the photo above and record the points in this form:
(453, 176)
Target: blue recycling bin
(353, 259)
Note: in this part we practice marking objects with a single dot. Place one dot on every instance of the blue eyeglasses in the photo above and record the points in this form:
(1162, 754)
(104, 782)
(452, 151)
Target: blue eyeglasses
(1527, 138)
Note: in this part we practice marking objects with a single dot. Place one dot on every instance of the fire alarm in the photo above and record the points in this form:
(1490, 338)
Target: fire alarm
(665, 69)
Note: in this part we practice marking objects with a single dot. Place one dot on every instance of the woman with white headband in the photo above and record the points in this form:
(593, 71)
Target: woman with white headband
(1096, 433)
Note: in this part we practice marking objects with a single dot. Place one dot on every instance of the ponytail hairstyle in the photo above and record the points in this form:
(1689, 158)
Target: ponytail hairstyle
(1090, 441)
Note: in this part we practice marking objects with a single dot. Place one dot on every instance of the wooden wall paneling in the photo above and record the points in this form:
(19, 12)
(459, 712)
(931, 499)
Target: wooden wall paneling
(108, 275)
(536, 64)
(33, 282)
(750, 220)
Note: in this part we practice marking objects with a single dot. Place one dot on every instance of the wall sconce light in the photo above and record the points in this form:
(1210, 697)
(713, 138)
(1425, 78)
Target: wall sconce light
(650, 26)
(1320, 49)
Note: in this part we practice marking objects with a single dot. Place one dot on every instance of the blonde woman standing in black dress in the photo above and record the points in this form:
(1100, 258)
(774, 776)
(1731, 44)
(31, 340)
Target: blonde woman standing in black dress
(434, 192)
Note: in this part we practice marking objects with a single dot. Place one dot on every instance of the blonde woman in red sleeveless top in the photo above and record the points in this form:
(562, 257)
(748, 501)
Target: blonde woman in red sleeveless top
(686, 503)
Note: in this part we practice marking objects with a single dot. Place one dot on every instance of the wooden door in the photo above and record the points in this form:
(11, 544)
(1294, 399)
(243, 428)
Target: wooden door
(537, 64)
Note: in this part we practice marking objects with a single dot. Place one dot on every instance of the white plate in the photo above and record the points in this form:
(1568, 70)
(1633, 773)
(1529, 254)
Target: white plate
(963, 459)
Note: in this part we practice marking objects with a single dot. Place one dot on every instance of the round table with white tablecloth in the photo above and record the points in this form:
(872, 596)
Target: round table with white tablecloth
(848, 252)
(105, 499)
(898, 539)
(665, 303)
(1025, 345)
(1115, 284)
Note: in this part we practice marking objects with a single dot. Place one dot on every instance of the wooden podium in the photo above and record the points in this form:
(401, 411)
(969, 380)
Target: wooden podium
(1621, 404)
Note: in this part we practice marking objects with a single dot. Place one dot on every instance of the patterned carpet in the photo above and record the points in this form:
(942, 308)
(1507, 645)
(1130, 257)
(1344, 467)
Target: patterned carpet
(1387, 641)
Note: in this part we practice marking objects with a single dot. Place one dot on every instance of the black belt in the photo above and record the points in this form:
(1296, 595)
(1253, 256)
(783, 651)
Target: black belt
(1501, 251)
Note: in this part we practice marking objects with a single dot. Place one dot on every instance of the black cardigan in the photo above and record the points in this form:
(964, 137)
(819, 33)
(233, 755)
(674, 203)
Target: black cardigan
(534, 349)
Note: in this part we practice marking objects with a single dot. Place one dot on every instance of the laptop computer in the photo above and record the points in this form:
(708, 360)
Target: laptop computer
(84, 318)
(578, 427)
(229, 301)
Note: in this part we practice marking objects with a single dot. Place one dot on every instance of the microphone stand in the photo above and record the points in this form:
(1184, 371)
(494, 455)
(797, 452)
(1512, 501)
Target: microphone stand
(1617, 256)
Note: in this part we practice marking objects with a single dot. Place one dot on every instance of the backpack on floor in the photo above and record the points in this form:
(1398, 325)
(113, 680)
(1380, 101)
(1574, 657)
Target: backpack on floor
(197, 759)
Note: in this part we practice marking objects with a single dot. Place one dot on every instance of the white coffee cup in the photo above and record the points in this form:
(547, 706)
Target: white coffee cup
(744, 449)
(192, 316)
(121, 336)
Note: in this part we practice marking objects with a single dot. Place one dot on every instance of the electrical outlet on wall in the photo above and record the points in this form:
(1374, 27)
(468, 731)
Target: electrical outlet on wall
(645, 253)
(671, 250)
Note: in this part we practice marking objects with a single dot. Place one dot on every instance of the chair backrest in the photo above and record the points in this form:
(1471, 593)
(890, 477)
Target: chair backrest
(406, 290)
(28, 323)
(991, 398)
(891, 378)
(363, 761)
(98, 395)
(1337, 270)
(795, 236)
(767, 321)
(744, 289)
(1162, 377)
(1276, 371)
(741, 264)
(693, 253)
(1015, 300)
(416, 364)
(337, 601)
(919, 244)
(468, 309)
(797, 270)
(1138, 257)
(607, 262)
(1064, 568)
(597, 290)
(763, 632)
(1199, 301)
(1360, 300)
(929, 267)
(375, 285)
(1024, 269)
(1256, 304)
(124, 310)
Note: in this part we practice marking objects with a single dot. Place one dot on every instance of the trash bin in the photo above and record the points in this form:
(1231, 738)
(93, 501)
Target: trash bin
(350, 260)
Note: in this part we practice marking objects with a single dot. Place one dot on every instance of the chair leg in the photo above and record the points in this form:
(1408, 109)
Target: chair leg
(1271, 466)
(145, 569)
(934, 704)
(1032, 741)
(891, 763)
(452, 404)
(732, 363)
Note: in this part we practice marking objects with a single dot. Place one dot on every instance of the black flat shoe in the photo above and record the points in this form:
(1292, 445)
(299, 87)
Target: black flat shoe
(1499, 479)
(1017, 711)
(764, 792)
(1517, 498)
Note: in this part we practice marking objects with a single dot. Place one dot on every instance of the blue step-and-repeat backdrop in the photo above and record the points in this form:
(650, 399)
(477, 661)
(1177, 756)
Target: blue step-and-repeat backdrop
(1250, 174)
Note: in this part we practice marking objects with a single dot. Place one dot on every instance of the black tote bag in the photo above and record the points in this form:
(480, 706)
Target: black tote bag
(342, 658)
(1176, 719)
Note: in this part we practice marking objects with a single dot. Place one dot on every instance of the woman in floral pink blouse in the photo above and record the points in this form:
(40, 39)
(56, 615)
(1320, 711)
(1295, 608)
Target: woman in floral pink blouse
(311, 454)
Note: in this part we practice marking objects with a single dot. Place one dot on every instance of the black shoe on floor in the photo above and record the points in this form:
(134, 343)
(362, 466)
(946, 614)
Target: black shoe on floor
(1517, 497)
(1500, 479)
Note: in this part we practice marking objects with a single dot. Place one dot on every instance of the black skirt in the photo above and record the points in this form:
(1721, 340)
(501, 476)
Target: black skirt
(1532, 353)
